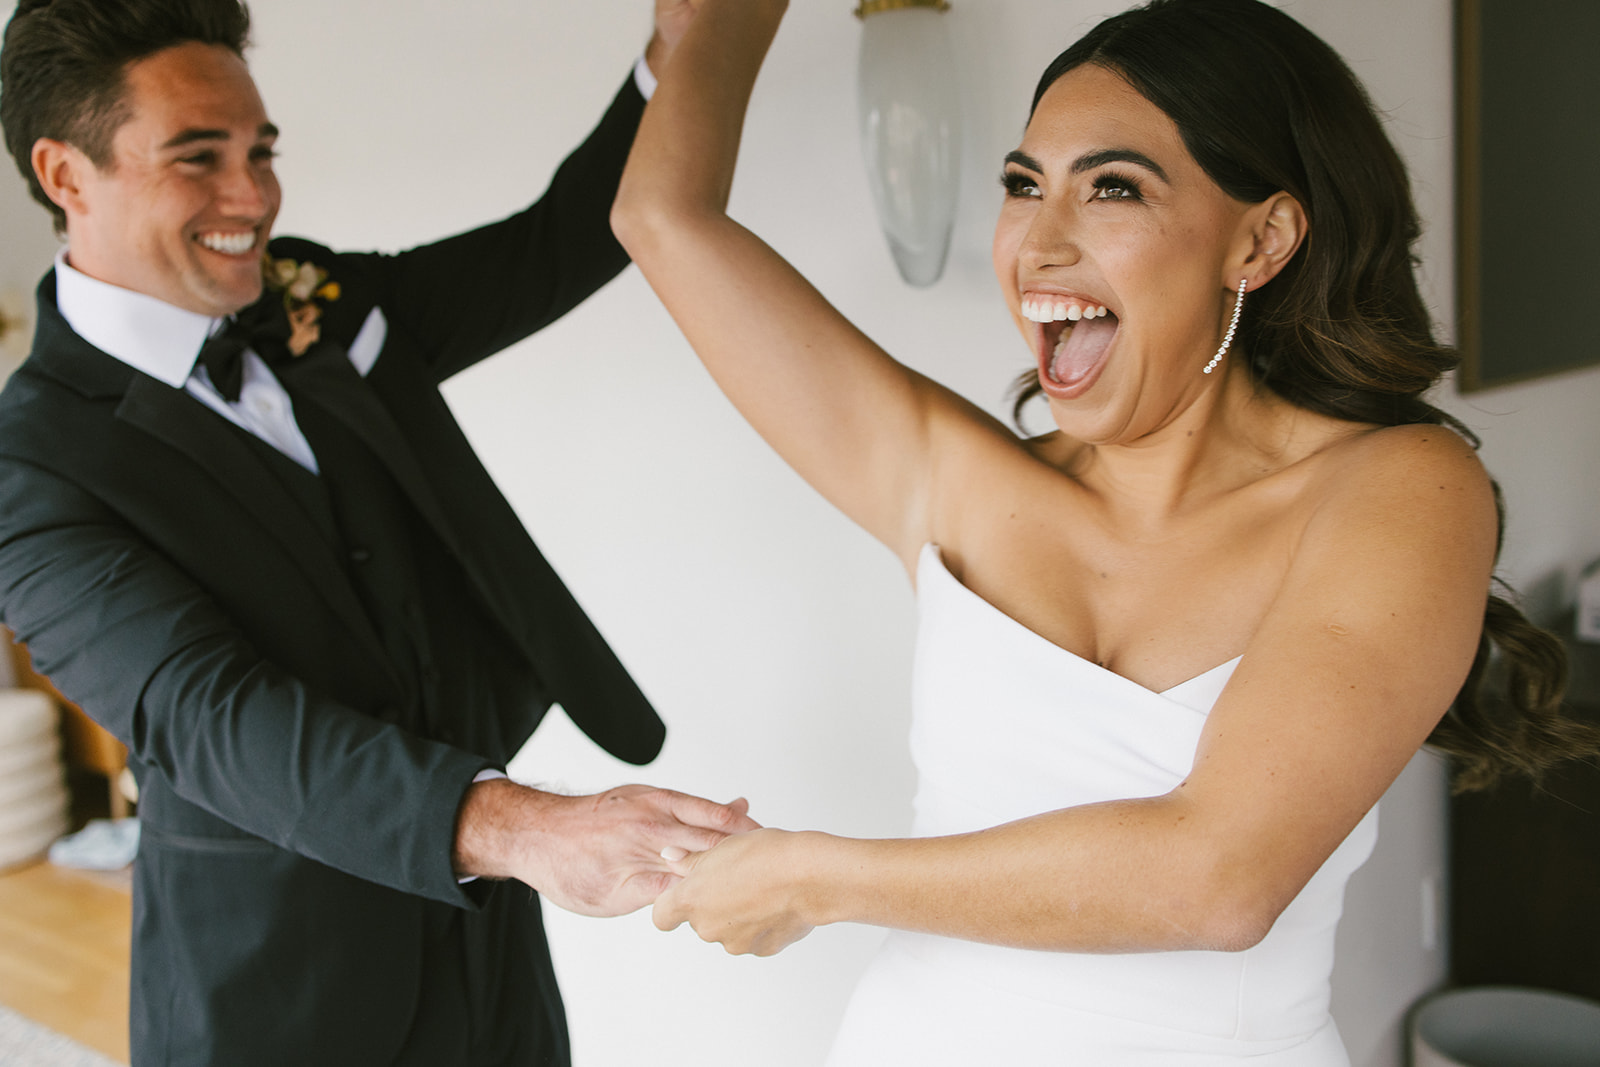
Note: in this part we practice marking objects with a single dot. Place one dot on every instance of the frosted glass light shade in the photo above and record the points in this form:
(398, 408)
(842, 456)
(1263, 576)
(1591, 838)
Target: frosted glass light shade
(911, 135)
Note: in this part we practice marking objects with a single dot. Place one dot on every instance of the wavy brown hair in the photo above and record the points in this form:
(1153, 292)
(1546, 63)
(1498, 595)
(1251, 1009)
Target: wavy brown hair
(1264, 106)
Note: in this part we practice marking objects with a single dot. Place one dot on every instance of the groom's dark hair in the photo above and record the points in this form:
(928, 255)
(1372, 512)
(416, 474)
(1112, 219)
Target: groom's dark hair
(63, 65)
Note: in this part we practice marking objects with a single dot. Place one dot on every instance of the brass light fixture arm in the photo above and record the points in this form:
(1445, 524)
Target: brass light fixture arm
(873, 7)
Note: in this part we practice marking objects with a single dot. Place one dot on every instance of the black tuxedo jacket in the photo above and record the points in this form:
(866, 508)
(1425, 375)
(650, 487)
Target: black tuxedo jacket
(294, 900)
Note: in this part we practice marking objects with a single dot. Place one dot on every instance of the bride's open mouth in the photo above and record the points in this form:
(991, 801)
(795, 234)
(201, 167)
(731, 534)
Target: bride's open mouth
(1073, 337)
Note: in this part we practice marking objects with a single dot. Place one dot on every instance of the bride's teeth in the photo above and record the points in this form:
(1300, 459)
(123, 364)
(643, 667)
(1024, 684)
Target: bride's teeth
(1042, 310)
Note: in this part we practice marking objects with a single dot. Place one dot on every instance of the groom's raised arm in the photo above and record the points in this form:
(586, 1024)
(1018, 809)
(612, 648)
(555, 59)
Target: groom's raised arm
(471, 295)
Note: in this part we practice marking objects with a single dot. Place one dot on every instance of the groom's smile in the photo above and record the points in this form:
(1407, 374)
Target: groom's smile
(183, 209)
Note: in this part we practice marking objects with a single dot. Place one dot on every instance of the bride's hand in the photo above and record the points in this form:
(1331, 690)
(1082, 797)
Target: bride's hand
(746, 893)
(672, 19)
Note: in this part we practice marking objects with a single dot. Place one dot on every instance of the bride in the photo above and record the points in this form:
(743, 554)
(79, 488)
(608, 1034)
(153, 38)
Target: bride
(1173, 652)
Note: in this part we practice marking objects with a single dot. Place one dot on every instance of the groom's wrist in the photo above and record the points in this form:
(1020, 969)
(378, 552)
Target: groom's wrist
(486, 828)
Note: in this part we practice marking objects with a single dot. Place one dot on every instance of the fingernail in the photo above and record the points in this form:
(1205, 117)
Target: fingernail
(672, 853)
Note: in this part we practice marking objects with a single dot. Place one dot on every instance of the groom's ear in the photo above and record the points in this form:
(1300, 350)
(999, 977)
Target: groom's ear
(61, 170)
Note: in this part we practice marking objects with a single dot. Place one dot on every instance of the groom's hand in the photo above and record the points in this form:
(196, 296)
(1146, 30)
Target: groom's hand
(594, 855)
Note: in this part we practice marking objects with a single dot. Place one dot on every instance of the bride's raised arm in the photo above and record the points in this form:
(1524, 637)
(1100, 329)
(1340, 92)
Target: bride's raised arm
(861, 428)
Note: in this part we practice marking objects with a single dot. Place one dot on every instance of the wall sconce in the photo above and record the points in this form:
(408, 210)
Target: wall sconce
(910, 130)
(15, 336)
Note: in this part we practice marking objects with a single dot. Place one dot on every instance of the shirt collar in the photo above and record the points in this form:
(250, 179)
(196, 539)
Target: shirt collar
(149, 335)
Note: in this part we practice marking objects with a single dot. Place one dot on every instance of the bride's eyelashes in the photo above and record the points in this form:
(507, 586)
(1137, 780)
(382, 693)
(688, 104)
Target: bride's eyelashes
(1110, 185)
(1018, 184)
(1114, 186)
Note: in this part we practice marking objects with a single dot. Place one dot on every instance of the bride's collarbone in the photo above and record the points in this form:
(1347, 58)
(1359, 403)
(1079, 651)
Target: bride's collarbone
(1156, 610)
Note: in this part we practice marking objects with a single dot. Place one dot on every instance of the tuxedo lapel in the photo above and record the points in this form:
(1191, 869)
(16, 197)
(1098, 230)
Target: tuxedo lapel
(443, 483)
(178, 420)
(325, 377)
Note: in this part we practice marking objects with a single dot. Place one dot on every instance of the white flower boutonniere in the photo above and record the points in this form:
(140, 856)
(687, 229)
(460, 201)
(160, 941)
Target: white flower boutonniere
(305, 288)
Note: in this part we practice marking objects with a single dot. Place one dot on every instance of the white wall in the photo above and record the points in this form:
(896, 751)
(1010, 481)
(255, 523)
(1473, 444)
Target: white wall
(774, 637)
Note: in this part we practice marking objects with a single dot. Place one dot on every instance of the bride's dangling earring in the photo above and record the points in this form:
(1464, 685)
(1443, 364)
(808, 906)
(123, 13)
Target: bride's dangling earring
(1227, 339)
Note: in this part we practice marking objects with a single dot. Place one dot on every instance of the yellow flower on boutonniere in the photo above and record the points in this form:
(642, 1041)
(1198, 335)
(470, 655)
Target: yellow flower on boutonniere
(302, 286)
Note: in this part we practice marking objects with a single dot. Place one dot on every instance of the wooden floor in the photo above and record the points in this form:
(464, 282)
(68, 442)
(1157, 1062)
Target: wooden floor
(64, 938)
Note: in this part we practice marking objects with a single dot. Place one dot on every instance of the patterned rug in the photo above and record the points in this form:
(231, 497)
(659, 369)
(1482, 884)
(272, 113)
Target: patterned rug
(24, 1043)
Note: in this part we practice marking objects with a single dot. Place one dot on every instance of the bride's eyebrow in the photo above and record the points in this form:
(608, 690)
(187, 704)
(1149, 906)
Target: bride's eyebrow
(1092, 160)
(1025, 161)
(1118, 155)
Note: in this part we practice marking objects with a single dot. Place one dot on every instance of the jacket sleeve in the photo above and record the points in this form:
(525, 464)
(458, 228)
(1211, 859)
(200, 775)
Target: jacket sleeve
(469, 296)
(122, 631)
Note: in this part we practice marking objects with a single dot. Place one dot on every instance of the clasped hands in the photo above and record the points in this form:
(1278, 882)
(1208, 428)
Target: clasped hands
(611, 853)
(747, 893)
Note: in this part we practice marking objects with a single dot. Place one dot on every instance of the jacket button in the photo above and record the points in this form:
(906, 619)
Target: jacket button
(360, 555)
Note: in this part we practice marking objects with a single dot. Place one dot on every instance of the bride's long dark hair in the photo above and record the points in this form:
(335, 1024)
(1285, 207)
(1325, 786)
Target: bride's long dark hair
(1264, 106)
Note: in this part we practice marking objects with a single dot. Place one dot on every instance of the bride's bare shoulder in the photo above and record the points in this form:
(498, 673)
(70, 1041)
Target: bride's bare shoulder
(1405, 457)
(1416, 478)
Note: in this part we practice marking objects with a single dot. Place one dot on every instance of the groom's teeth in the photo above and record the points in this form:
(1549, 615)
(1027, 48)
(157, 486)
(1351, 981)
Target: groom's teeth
(235, 244)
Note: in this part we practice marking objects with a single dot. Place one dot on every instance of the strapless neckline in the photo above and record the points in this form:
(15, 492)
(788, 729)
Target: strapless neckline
(931, 550)
(1005, 726)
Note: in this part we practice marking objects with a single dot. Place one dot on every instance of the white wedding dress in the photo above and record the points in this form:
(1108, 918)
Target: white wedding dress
(1006, 725)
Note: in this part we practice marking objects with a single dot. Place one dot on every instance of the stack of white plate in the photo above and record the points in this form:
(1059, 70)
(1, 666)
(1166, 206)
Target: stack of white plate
(33, 792)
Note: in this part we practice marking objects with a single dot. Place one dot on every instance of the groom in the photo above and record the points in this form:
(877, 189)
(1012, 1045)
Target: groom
(239, 526)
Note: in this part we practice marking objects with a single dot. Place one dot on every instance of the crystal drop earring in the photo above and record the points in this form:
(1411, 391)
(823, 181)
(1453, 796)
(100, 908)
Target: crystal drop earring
(1227, 339)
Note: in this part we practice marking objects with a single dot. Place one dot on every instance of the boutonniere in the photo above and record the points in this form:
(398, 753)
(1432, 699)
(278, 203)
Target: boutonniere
(305, 288)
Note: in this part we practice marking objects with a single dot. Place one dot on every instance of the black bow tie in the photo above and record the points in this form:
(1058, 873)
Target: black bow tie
(263, 326)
